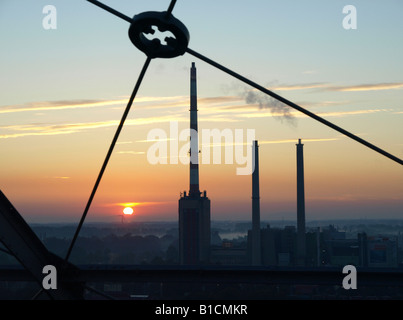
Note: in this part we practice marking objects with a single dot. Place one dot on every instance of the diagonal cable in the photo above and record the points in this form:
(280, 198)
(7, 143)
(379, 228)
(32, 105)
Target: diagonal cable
(123, 16)
(171, 7)
(295, 106)
(115, 138)
(111, 10)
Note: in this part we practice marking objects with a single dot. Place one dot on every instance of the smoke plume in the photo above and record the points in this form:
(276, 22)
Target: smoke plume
(264, 101)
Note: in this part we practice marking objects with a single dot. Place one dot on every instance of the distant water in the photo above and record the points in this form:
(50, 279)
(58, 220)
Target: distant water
(232, 235)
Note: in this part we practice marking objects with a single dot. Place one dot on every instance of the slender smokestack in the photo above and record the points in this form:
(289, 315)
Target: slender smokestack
(301, 246)
(194, 143)
(256, 252)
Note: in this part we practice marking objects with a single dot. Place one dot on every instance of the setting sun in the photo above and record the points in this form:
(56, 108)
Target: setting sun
(128, 211)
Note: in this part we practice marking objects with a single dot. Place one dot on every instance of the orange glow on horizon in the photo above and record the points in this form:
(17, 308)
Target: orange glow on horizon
(129, 204)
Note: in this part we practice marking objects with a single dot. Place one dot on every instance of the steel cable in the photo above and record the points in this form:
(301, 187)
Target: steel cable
(115, 138)
(293, 105)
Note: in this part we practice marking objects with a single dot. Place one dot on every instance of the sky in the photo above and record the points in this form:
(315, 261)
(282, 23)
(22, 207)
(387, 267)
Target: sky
(64, 90)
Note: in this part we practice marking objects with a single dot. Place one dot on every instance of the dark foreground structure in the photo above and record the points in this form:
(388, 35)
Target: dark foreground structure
(188, 283)
(172, 281)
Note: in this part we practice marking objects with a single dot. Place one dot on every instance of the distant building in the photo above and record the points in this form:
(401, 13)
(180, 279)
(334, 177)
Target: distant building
(229, 253)
(331, 233)
(278, 246)
(382, 252)
(364, 251)
(341, 252)
(269, 246)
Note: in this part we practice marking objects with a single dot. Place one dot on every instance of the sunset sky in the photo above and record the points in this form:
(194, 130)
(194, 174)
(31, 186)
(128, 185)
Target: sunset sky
(64, 91)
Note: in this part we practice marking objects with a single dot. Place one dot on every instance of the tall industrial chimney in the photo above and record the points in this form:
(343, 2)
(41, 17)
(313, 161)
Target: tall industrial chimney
(194, 140)
(194, 208)
(301, 239)
(256, 251)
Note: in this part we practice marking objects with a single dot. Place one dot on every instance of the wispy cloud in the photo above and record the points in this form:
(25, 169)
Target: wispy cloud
(294, 140)
(322, 114)
(46, 130)
(221, 109)
(156, 140)
(220, 100)
(299, 86)
(261, 142)
(134, 204)
(131, 152)
(79, 104)
(243, 111)
(305, 104)
(181, 101)
(38, 129)
(58, 105)
(350, 113)
(328, 87)
(43, 130)
(368, 87)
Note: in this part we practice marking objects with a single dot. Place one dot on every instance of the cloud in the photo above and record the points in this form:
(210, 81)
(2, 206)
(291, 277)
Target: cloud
(79, 104)
(184, 101)
(135, 204)
(218, 100)
(251, 96)
(58, 105)
(156, 140)
(350, 113)
(46, 130)
(321, 114)
(261, 142)
(222, 109)
(130, 152)
(40, 129)
(295, 141)
(326, 86)
(299, 86)
(368, 87)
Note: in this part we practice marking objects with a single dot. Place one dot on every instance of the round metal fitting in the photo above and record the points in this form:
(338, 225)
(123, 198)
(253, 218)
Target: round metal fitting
(142, 24)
